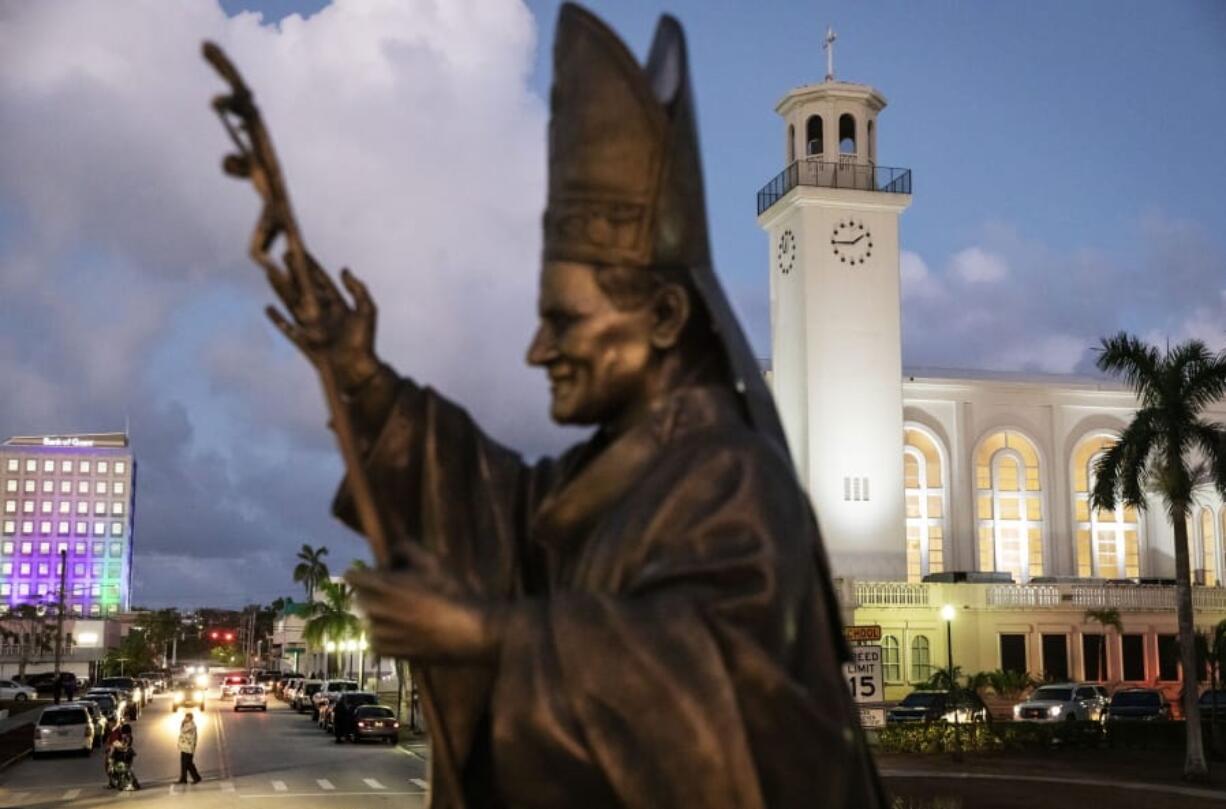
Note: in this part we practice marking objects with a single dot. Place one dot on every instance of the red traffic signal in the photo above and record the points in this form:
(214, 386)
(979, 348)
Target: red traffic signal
(213, 634)
(229, 636)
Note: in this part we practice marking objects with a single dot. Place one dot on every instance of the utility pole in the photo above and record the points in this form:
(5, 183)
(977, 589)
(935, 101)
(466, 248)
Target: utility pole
(59, 626)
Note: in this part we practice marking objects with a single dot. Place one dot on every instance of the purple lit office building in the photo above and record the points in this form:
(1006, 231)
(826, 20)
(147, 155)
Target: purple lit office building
(72, 494)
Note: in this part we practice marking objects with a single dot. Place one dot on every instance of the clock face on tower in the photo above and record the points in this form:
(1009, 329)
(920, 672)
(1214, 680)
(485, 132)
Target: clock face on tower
(851, 242)
(785, 255)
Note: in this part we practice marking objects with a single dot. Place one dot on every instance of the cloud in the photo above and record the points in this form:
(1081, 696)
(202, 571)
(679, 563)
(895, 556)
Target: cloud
(1015, 304)
(977, 266)
(414, 149)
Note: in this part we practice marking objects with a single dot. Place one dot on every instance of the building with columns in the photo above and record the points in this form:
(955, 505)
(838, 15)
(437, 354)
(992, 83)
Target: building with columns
(950, 487)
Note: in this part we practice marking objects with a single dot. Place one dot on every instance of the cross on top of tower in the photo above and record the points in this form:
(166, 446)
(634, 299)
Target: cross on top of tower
(828, 47)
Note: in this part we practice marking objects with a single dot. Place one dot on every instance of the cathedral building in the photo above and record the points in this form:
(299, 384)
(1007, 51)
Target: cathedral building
(938, 488)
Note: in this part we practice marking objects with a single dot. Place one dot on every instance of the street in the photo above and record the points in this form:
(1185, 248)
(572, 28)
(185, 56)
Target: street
(256, 758)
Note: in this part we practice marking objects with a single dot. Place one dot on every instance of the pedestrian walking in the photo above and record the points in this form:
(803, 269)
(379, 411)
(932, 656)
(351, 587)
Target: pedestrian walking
(187, 750)
(70, 688)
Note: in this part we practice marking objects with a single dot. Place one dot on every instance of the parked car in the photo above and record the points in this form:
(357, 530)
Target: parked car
(348, 701)
(231, 683)
(1062, 702)
(1138, 704)
(1206, 705)
(375, 722)
(304, 695)
(156, 679)
(330, 687)
(64, 727)
(936, 706)
(44, 681)
(128, 684)
(12, 690)
(109, 704)
(118, 699)
(285, 688)
(101, 723)
(252, 697)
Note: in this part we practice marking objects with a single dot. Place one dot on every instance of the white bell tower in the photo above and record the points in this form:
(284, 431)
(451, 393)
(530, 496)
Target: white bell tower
(831, 218)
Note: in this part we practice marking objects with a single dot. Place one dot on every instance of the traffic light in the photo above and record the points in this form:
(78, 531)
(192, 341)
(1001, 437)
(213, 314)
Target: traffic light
(213, 635)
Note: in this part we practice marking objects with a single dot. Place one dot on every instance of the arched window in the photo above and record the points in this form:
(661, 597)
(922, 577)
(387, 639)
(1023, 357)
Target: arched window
(1208, 548)
(921, 659)
(1107, 542)
(847, 133)
(1009, 505)
(924, 482)
(791, 144)
(891, 659)
(813, 136)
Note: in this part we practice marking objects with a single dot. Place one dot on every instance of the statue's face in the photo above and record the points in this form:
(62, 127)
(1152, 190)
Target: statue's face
(597, 356)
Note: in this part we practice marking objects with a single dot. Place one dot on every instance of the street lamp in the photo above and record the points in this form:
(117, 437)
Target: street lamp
(948, 613)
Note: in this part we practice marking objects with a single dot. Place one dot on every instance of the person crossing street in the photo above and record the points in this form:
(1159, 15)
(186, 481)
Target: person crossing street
(187, 750)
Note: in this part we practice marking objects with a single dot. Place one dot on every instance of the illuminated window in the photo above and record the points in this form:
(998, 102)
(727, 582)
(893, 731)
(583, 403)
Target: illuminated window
(23, 589)
(117, 487)
(1106, 541)
(44, 527)
(24, 568)
(1009, 505)
(45, 507)
(65, 487)
(29, 485)
(27, 526)
(48, 486)
(10, 506)
(31, 465)
(65, 507)
(27, 547)
(100, 487)
(49, 465)
(44, 547)
(1206, 560)
(117, 508)
(8, 547)
(99, 549)
(82, 487)
(66, 466)
(10, 528)
(78, 569)
(27, 507)
(116, 529)
(6, 589)
(10, 485)
(116, 549)
(79, 548)
(82, 507)
(924, 482)
(120, 467)
(921, 660)
(102, 467)
(6, 568)
(82, 527)
(94, 609)
(42, 588)
(891, 659)
(61, 547)
(77, 607)
(96, 570)
(99, 528)
(62, 527)
(84, 467)
(13, 465)
(43, 569)
(99, 508)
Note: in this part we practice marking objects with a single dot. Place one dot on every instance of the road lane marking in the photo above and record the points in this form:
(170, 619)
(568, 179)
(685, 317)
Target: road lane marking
(324, 783)
(373, 784)
(279, 786)
(71, 795)
(420, 782)
(267, 795)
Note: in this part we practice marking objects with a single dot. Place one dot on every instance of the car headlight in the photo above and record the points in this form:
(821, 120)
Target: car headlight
(197, 695)
(179, 696)
(1055, 710)
(1017, 711)
(202, 680)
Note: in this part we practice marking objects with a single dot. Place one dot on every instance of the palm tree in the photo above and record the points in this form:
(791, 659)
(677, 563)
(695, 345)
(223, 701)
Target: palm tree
(1108, 617)
(311, 571)
(1214, 642)
(1159, 451)
(332, 618)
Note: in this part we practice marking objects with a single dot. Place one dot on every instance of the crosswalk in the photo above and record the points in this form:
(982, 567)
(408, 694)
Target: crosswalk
(244, 787)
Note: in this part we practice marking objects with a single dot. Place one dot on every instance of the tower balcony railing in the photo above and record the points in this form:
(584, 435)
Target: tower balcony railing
(1066, 596)
(814, 171)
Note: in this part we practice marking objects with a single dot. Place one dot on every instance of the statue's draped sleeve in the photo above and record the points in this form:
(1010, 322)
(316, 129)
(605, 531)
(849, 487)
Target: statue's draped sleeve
(687, 662)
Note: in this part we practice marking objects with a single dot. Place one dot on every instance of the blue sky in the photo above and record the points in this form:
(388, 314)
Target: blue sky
(1066, 185)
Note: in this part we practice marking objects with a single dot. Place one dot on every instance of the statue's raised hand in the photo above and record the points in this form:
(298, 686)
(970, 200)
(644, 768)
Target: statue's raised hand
(326, 327)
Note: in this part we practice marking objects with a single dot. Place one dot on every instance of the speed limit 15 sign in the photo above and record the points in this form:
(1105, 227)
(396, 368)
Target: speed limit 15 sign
(863, 674)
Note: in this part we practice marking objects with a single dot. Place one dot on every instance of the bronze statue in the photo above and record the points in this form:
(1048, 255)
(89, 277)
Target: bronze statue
(648, 620)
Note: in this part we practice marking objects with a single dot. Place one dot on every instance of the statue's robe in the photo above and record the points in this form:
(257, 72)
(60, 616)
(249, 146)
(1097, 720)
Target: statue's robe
(671, 639)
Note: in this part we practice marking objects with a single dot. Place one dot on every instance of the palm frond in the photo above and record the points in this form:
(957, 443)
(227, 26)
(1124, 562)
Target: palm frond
(1211, 441)
(1205, 381)
(1132, 359)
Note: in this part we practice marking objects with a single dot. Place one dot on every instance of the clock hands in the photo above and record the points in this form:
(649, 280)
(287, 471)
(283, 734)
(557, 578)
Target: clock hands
(853, 241)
